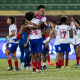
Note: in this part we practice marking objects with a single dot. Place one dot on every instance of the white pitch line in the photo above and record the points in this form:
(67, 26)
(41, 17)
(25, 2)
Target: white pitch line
(36, 78)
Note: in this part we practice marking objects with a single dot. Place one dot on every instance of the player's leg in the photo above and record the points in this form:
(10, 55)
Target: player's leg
(48, 57)
(35, 56)
(22, 56)
(28, 63)
(67, 49)
(57, 60)
(7, 53)
(62, 55)
(67, 58)
(77, 56)
(15, 60)
(39, 62)
(57, 48)
(60, 61)
(27, 58)
(31, 59)
(39, 50)
(43, 66)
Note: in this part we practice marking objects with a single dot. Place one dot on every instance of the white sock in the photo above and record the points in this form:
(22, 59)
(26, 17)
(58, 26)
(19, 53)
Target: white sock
(44, 63)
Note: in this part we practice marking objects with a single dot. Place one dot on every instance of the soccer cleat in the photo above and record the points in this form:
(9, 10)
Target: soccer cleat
(77, 65)
(21, 67)
(34, 72)
(46, 40)
(9, 68)
(63, 67)
(28, 68)
(57, 67)
(60, 66)
(40, 71)
(16, 69)
(37, 70)
(43, 67)
(50, 63)
(67, 67)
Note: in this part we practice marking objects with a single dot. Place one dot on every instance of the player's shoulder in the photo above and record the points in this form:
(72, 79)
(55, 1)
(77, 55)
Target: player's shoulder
(44, 17)
(35, 20)
(12, 26)
(57, 27)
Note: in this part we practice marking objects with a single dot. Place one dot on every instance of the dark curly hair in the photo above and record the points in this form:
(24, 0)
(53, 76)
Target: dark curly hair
(29, 16)
(40, 6)
(63, 19)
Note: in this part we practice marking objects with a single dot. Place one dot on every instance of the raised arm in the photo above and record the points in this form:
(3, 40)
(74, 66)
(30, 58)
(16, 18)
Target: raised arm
(76, 25)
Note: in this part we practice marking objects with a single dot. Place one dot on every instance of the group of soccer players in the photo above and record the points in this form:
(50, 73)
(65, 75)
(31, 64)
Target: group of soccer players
(40, 33)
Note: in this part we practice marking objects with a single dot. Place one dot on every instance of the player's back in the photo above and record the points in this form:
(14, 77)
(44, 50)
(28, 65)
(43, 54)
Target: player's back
(64, 33)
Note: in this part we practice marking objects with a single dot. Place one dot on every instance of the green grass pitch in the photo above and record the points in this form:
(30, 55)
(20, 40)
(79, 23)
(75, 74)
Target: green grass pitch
(51, 73)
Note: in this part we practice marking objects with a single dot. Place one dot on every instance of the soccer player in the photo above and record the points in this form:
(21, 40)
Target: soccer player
(55, 31)
(64, 37)
(24, 48)
(76, 35)
(45, 32)
(12, 44)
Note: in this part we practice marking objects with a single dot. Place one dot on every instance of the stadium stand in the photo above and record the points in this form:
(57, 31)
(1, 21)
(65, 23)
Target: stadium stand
(32, 4)
(54, 8)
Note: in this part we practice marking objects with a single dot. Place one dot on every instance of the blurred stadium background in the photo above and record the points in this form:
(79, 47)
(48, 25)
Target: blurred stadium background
(54, 8)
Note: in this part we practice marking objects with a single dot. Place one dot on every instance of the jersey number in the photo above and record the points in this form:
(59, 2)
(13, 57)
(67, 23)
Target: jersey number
(34, 32)
(62, 34)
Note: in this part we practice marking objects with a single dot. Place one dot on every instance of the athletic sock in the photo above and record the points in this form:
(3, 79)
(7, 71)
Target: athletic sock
(62, 62)
(34, 66)
(16, 64)
(79, 57)
(44, 63)
(31, 62)
(18, 36)
(39, 65)
(77, 60)
(10, 63)
(66, 62)
(48, 58)
(57, 64)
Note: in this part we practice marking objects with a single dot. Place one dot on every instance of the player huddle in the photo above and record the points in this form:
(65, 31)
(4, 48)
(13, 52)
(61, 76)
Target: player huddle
(40, 33)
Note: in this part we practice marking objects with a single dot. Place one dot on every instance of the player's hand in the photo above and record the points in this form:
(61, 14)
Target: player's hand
(6, 39)
(25, 45)
(72, 19)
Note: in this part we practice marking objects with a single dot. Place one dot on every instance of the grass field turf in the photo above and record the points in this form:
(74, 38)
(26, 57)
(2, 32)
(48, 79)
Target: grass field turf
(51, 73)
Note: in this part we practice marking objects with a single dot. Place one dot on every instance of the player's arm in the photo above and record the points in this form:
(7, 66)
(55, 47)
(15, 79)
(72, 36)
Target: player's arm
(76, 25)
(34, 26)
(29, 22)
(71, 43)
(11, 35)
(27, 42)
